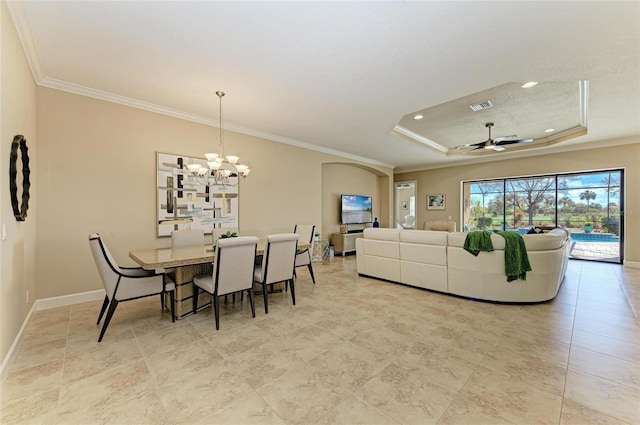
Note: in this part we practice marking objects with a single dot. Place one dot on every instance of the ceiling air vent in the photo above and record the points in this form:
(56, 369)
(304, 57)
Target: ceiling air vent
(480, 106)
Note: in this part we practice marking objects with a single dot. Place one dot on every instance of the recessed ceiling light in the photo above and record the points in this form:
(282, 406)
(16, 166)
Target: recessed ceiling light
(549, 130)
(418, 117)
(529, 84)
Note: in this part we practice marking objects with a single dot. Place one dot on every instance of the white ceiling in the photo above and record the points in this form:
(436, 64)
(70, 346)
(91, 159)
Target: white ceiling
(340, 76)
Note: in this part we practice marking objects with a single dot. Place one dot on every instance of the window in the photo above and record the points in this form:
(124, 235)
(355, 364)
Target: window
(588, 204)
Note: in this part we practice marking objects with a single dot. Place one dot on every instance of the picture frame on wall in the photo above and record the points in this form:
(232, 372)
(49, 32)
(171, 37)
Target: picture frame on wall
(187, 202)
(436, 202)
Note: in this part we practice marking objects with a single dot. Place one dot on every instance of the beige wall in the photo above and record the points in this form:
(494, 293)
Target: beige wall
(17, 252)
(447, 180)
(97, 165)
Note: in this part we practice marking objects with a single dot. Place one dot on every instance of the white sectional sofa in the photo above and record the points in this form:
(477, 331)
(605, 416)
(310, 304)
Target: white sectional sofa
(436, 260)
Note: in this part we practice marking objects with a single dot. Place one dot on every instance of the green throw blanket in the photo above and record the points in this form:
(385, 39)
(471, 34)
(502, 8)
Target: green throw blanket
(479, 240)
(516, 261)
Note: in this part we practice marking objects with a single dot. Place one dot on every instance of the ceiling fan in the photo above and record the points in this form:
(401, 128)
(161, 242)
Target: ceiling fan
(495, 145)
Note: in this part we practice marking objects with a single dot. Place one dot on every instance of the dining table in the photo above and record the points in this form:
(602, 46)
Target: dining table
(182, 264)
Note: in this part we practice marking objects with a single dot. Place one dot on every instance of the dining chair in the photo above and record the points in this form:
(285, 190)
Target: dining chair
(126, 283)
(232, 273)
(187, 237)
(278, 264)
(303, 256)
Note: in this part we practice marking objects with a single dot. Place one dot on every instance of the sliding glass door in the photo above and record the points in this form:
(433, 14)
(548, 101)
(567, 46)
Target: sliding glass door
(588, 204)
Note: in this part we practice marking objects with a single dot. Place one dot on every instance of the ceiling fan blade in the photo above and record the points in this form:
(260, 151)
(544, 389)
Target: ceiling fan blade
(496, 145)
(471, 146)
(511, 142)
(500, 139)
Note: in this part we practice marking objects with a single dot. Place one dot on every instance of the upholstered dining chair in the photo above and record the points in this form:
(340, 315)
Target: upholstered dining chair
(303, 256)
(232, 273)
(278, 264)
(126, 283)
(187, 237)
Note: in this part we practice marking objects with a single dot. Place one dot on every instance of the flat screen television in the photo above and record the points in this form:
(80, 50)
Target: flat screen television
(355, 209)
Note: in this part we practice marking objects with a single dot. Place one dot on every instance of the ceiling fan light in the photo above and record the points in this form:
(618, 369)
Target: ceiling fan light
(529, 84)
(498, 148)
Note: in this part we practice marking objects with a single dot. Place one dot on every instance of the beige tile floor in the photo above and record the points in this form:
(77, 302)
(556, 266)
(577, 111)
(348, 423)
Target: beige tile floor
(352, 351)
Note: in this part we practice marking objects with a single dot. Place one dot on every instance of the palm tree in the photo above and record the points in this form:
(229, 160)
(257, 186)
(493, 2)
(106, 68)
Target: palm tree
(588, 195)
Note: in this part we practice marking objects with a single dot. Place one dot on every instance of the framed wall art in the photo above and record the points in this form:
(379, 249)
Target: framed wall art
(436, 202)
(185, 201)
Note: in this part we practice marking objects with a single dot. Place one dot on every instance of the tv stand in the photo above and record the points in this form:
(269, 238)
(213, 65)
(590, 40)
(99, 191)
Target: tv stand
(344, 243)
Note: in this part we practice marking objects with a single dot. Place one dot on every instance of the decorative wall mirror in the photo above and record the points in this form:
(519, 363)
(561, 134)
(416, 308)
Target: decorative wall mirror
(19, 162)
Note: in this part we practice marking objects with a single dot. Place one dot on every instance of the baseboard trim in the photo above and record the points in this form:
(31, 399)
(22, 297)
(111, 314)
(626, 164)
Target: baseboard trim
(65, 300)
(632, 264)
(45, 304)
(13, 350)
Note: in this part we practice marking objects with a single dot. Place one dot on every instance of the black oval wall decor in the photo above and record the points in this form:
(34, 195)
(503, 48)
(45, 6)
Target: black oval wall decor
(19, 210)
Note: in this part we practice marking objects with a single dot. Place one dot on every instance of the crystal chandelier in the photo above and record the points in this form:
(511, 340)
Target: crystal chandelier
(220, 167)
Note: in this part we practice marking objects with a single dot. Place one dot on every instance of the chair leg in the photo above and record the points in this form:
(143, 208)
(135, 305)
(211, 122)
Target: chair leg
(293, 292)
(216, 309)
(251, 301)
(196, 293)
(266, 299)
(162, 301)
(103, 309)
(172, 300)
(112, 309)
(311, 271)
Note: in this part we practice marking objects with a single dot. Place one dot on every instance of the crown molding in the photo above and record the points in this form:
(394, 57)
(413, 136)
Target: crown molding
(22, 24)
(399, 130)
(126, 101)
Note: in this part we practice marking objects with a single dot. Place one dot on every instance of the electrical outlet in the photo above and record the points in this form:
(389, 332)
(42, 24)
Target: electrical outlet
(27, 296)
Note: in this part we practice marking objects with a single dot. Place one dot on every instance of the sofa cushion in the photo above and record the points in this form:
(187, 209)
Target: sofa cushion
(426, 237)
(381, 234)
(543, 242)
(547, 241)
(537, 230)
